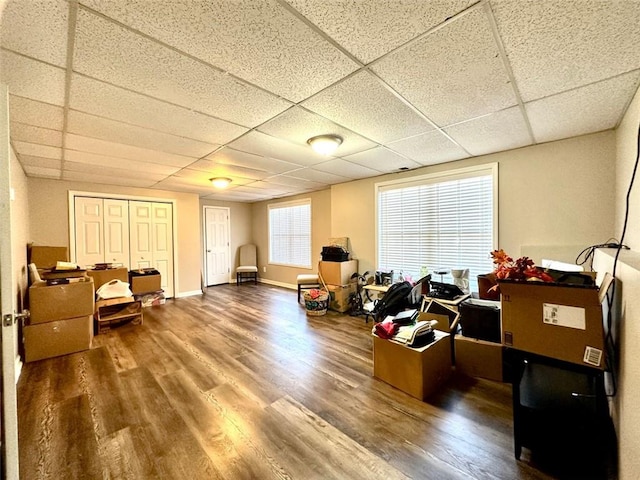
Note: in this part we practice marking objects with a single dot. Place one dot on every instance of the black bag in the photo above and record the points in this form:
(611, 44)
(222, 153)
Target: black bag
(394, 301)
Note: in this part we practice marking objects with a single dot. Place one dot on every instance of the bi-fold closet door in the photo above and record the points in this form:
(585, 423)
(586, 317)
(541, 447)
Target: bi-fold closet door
(136, 234)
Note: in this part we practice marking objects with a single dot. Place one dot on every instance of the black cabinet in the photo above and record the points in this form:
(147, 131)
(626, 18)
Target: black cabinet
(560, 413)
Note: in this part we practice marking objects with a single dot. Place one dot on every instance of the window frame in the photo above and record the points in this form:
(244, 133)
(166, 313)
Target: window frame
(283, 205)
(434, 178)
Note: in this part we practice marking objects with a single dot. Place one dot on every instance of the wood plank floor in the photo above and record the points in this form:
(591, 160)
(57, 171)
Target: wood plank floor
(240, 383)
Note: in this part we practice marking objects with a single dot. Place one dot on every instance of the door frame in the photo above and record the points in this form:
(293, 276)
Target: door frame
(174, 224)
(204, 242)
(9, 454)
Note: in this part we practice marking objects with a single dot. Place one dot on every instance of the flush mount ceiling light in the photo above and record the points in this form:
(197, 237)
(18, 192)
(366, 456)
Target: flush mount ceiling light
(325, 144)
(220, 182)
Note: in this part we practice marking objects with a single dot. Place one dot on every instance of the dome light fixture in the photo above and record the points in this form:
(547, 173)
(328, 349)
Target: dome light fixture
(325, 144)
(220, 182)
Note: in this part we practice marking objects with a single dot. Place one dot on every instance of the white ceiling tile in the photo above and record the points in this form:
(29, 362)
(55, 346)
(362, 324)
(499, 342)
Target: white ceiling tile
(299, 125)
(114, 162)
(42, 172)
(268, 146)
(383, 160)
(370, 29)
(499, 131)
(37, 28)
(202, 178)
(29, 133)
(229, 156)
(233, 196)
(111, 149)
(39, 114)
(321, 177)
(138, 181)
(27, 160)
(362, 104)
(92, 96)
(291, 184)
(36, 150)
(459, 61)
(554, 46)
(32, 79)
(429, 149)
(346, 169)
(118, 132)
(108, 171)
(226, 170)
(171, 184)
(593, 108)
(110, 52)
(258, 40)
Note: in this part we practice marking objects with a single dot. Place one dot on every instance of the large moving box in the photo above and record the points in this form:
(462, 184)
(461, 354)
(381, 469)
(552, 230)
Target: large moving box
(339, 296)
(102, 276)
(556, 320)
(46, 257)
(479, 358)
(416, 371)
(48, 303)
(145, 280)
(338, 273)
(52, 339)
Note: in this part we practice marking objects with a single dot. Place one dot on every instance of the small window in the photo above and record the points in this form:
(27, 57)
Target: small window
(290, 234)
(442, 221)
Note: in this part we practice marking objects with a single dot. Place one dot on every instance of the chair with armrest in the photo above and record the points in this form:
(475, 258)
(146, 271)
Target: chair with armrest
(248, 268)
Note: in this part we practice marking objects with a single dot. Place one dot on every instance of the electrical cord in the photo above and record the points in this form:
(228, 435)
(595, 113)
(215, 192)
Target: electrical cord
(609, 340)
(587, 254)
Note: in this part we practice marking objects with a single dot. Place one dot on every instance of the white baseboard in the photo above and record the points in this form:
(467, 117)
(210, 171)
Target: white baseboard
(279, 284)
(189, 294)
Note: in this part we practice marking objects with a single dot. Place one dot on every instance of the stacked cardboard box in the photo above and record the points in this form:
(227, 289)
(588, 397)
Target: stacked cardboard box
(337, 277)
(61, 320)
(146, 285)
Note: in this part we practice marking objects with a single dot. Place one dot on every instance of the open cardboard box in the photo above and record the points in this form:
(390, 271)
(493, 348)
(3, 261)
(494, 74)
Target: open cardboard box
(48, 303)
(446, 316)
(102, 276)
(559, 321)
(416, 371)
(479, 358)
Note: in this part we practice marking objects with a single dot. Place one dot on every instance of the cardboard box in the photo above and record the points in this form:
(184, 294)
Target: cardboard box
(60, 302)
(416, 371)
(447, 318)
(339, 296)
(338, 273)
(559, 321)
(100, 277)
(47, 257)
(479, 358)
(114, 311)
(61, 337)
(145, 280)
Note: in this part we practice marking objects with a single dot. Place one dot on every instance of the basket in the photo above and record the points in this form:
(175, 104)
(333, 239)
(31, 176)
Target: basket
(316, 306)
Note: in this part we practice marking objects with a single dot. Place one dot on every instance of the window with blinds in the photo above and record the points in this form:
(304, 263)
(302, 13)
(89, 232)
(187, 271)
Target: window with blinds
(290, 234)
(442, 222)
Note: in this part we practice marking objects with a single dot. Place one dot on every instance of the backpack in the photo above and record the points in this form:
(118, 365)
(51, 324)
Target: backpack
(394, 301)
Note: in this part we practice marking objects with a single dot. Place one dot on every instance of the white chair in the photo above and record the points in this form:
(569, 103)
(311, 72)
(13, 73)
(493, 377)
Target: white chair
(248, 268)
(307, 281)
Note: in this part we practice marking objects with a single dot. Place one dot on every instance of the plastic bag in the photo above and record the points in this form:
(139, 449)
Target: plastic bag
(114, 289)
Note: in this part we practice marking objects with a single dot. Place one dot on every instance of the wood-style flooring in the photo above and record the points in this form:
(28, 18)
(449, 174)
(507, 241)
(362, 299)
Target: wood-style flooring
(241, 384)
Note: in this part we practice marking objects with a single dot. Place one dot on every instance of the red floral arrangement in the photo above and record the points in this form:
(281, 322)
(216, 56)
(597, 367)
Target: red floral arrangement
(521, 269)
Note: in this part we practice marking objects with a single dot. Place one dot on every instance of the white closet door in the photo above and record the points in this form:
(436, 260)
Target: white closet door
(116, 231)
(162, 222)
(89, 231)
(141, 234)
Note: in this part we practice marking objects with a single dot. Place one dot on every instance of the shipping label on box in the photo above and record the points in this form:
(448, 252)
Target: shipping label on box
(563, 316)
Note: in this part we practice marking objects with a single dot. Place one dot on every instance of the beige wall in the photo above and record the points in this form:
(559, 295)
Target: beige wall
(626, 412)
(49, 222)
(240, 228)
(320, 233)
(555, 194)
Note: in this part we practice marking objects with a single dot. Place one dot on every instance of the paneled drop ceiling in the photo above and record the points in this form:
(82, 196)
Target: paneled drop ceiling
(167, 94)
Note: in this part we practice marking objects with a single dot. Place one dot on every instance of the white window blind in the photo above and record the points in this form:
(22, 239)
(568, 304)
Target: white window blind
(290, 234)
(439, 222)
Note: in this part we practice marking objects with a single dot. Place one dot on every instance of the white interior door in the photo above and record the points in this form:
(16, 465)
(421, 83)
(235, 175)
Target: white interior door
(9, 410)
(216, 241)
(89, 232)
(162, 244)
(141, 230)
(116, 231)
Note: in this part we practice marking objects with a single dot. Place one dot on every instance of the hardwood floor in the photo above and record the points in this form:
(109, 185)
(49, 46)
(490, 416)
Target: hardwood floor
(241, 383)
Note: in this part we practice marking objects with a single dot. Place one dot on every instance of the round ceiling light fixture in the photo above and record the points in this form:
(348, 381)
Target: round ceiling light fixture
(220, 182)
(325, 144)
